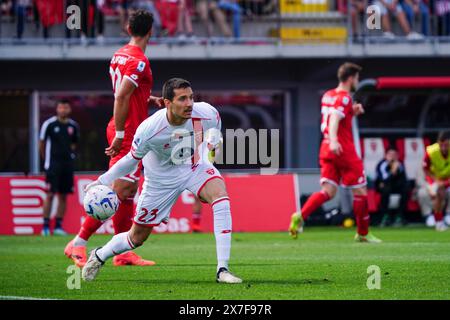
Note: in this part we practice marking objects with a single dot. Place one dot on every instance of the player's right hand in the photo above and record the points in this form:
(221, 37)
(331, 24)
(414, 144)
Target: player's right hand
(335, 147)
(358, 109)
(92, 184)
(114, 149)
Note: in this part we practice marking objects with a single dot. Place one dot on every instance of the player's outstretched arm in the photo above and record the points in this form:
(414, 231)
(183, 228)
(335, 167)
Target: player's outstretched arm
(121, 168)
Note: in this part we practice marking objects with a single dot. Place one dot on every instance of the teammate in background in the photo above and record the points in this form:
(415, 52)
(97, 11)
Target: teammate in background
(175, 144)
(132, 83)
(58, 139)
(437, 170)
(339, 161)
(196, 215)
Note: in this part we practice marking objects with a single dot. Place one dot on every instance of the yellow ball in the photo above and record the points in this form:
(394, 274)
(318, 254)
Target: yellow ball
(348, 223)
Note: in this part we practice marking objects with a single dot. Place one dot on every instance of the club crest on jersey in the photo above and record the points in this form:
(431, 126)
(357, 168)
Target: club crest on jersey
(210, 171)
(134, 77)
(70, 131)
(141, 66)
(345, 100)
(167, 146)
(56, 129)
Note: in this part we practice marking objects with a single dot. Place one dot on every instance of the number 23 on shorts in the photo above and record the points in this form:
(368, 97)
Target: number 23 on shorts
(147, 216)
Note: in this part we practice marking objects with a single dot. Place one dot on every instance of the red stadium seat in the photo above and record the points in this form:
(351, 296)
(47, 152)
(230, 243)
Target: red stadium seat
(411, 153)
(372, 151)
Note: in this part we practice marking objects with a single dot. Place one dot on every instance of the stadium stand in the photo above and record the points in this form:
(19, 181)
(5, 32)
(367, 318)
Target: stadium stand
(288, 20)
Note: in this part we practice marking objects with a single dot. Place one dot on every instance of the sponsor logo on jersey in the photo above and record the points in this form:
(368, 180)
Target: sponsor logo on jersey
(134, 77)
(167, 146)
(210, 171)
(141, 66)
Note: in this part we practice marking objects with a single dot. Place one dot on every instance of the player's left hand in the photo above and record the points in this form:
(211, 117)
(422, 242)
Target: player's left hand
(156, 101)
(114, 148)
(358, 109)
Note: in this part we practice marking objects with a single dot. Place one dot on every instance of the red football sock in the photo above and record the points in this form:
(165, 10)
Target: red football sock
(88, 228)
(438, 216)
(196, 218)
(361, 211)
(123, 219)
(314, 202)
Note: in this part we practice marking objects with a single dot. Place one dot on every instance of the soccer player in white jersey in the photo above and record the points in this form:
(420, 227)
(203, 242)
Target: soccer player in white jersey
(175, 145)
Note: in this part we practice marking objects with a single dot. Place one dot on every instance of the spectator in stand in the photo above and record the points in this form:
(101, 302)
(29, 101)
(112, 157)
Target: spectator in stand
(149, 6)
(388, 7)
(92, 19)
(236, 11)
(6, 7)
(441, 9)
(184, 26)
(358, 10)
(391, 179)
(20, 10)
(416, 7)
(168, 11)
(259, 7)
(204, 8)
(121, 7)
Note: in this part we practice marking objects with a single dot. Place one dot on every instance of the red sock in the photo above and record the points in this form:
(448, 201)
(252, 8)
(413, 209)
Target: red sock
(88, 228)
(314, 202)
(438, 216)
(123, 219)
(196, 218)
(361, 211)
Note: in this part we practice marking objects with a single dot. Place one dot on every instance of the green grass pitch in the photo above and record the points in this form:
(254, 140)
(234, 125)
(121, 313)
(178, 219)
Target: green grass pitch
(324, 263)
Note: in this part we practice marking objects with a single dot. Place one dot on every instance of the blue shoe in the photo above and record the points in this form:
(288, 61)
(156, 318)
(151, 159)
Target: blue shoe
(45, 231)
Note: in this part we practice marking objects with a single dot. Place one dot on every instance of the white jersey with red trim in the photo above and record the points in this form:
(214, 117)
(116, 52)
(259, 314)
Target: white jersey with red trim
(168, 151)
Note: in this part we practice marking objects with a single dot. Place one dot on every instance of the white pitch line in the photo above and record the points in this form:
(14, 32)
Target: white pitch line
(23, 298)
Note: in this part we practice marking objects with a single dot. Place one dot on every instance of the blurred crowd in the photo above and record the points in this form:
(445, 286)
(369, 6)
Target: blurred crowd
(414, 19)
(172, 18)
(409, 14)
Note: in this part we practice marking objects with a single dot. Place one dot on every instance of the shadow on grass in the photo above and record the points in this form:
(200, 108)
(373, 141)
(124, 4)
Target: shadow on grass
(246, 283)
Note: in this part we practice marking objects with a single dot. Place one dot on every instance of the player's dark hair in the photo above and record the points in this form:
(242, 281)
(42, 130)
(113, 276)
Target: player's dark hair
(62, 101)
(168, 90)
(391, 148)
(348, 70)
(443, 135)
(140, 22)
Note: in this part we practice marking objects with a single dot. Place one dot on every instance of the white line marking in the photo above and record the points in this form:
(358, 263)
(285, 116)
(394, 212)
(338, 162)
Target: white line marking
(23, 298)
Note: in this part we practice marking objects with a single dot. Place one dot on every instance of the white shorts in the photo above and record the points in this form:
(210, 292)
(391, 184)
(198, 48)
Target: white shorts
(156, 201)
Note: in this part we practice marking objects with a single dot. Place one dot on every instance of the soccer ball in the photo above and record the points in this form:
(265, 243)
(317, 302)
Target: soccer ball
(100, 202)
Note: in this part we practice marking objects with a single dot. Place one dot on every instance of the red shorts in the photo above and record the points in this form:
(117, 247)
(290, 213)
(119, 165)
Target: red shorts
(125, 148)
(348, 172)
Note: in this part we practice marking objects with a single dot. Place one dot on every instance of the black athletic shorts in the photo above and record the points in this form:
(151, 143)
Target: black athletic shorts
(59, 177)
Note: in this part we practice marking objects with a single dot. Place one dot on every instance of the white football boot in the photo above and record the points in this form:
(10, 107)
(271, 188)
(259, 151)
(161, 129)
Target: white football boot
(440, 226)
(225, 276)
(92, 266)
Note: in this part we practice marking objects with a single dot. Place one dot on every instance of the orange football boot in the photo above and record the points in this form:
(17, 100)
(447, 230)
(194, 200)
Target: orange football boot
(131, 259)
(77, 254)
